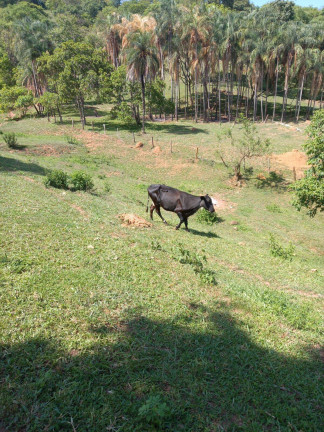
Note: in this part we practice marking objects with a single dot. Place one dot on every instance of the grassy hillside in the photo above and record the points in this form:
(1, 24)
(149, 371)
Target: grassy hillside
(107, 327)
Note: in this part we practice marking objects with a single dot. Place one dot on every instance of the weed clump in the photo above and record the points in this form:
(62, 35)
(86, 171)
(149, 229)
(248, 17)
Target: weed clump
(107, 186)
(71, 140)
(273, 208)
(277, 250)
(197, 262)
(154, 412)
(57, 179)
(207, 218)
(10, 139)
(81, 181)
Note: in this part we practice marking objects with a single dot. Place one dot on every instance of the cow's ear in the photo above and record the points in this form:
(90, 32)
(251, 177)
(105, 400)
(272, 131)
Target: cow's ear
(202, 197)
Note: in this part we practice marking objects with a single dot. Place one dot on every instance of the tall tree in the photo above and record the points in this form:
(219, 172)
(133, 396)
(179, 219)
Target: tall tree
(142, 61)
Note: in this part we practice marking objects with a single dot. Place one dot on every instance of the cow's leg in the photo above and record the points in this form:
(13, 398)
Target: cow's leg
(181, 220)
(158, 211)
(186, 223)
(152, 208)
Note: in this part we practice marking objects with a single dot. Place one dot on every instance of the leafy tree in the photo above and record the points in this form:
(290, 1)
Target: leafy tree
(283, 8)
(75, 71)
(67, 27)
(247, 147)
(15, 97)
(135, 7)
(7, 71)
(51, 103)
(309, 191)
(156, 100)
(124, 94)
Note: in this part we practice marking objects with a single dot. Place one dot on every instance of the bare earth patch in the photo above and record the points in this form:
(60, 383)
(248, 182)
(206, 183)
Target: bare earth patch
(133, 220)
(294, 159)
(223, 204)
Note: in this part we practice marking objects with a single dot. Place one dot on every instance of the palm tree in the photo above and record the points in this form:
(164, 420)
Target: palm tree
(142, 61)
(31, 41)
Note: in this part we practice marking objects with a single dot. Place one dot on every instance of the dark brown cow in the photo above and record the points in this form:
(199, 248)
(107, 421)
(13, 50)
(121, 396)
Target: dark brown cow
(181, 203)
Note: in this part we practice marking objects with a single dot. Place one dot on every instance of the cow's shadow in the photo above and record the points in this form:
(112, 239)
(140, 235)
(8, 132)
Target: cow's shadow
(208, 234)
(200, 370)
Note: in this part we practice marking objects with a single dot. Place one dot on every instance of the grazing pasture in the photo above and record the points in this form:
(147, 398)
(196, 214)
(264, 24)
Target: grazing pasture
(109, 325)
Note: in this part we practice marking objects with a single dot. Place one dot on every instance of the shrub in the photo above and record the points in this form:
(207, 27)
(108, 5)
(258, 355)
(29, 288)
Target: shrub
(154, 411)
(277, 250)
(57, 179)
(107, 186)
(71, 139)
(273, 208)
(196, 261)
(10, 139)
(81, 181)
(207, 218)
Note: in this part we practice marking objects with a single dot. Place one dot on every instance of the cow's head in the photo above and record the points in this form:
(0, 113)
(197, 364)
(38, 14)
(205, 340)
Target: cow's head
(207, 203)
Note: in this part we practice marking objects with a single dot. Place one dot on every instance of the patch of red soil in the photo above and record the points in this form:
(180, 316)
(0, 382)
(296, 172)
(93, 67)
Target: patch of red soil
(80, 210)
(133, 220)
(294, 159)
(28, 179)
(156, 149)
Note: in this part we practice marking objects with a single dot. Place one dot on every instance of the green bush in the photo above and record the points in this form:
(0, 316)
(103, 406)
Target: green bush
(197, 262)
(10, 139)
(107, 186)
(81, 181)
(154, 412)
(71, 140)
(207, 218)
(273, 208)
(277, 250)
(57, 179)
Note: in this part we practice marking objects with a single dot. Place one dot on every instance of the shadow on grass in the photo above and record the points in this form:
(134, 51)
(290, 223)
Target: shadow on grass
(273, 180)
(150, 127)
(211, 378)
(208, 234)
(10, 164)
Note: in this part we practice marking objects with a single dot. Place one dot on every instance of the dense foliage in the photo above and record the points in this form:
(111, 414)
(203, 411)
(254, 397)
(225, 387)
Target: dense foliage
(310, 190)
(229, 56)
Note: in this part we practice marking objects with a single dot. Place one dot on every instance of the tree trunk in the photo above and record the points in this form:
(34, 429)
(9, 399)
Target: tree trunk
(196, 97)
(300, 97)
(176, 99)
(285, 97)
(261, 89)
(275, 95)
(219, 96)
(143, 102)
(255, 101)
(238, 97)
(266, 100)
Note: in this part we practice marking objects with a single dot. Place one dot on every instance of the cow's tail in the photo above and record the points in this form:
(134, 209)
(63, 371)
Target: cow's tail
(148, 199)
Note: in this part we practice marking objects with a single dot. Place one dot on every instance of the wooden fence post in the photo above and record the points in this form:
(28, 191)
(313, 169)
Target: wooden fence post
(196, 153)
(104, 126)
(152, 143)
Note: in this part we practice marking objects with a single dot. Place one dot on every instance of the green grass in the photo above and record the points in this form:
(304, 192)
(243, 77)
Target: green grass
(104, 328)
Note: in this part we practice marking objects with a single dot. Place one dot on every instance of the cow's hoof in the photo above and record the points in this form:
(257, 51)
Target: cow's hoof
(187, 230)
(176, 228)
(165, 222)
